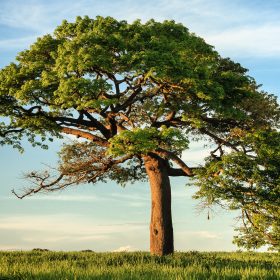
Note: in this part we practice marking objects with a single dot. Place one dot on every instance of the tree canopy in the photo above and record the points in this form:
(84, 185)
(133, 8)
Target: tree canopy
(130, 90)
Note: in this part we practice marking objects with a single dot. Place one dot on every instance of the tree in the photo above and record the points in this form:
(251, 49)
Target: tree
(136, 95)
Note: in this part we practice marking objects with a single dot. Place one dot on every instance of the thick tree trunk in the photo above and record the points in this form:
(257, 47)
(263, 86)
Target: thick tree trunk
(161, 229)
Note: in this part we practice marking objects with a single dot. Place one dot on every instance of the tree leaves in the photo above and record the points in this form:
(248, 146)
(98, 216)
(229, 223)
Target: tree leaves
(248, 180)
(142, 141)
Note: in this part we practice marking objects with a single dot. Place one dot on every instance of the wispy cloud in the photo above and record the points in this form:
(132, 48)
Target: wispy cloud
(61, 231)
(133, 199)
(110, 197)
(38, 16)
(17, 44)
(127, 248)
(27, 14)
(217, 21)
(60, 223)
(250, 41)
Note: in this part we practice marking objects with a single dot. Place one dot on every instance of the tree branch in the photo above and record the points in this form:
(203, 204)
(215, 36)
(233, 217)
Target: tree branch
(41, 185)
(44, 182)
(169, 155)
(98, 125)
(85, 135)
(92, 122)
(3, 134)
(267, 235)
(175, 172)
(129, 100)
(218, 139)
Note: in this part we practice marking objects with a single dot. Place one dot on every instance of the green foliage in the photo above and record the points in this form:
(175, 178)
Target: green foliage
(142, 141)
(81, 93)
(138, 265)
(249, 181)
(70, 69)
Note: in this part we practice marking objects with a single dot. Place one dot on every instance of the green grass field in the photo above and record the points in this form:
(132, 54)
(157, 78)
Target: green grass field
(138, 265)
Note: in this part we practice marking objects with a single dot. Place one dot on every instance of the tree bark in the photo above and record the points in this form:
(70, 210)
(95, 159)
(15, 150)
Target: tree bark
(161, 229)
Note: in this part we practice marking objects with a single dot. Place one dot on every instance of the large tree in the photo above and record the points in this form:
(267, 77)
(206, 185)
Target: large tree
(136, 95)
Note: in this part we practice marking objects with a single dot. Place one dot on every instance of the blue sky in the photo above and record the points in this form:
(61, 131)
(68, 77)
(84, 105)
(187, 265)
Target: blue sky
(106, 217)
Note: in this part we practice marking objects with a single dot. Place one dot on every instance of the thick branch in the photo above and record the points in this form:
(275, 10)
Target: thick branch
(85, 135)
(129, 100)
(169, 155)
(91, 122)
(175, 172)
(98, 125)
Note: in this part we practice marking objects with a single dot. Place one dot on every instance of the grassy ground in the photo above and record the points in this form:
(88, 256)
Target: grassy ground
(139, 265)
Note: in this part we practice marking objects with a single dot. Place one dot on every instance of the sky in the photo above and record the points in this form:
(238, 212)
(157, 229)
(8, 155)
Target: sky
(107, 217)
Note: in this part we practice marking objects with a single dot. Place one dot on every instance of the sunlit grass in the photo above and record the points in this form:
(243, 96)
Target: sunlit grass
(138, 265)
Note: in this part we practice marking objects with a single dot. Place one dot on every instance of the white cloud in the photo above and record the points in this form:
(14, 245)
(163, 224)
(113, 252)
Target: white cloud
(37, 16)
(247, 41)
(217, 21)
(27, 15)
(133, 200)
(235, 36)
(17, 43)
(126, 248)
(64, 232)
(61, 224)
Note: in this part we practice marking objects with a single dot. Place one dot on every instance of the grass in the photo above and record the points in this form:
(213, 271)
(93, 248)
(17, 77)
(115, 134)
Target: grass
(138, 265)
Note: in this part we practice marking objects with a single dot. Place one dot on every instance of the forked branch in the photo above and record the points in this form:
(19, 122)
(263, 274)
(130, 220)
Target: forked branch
(188, 171)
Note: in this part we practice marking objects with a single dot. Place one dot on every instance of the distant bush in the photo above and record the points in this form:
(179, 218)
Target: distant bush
(40, 250)
(87, 250)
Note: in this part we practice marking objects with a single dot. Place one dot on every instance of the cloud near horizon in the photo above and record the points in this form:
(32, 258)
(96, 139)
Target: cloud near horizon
(60, 230)
(127, 248)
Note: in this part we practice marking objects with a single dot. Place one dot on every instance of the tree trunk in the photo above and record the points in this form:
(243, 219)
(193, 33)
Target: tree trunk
(161, 229)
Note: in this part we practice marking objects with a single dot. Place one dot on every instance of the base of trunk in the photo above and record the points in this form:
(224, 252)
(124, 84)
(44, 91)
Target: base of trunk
(161, 239)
